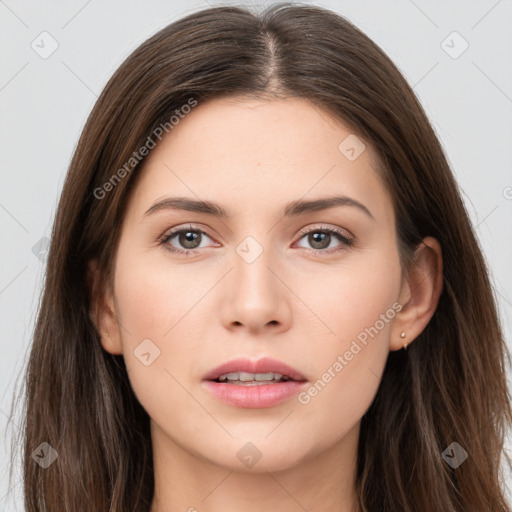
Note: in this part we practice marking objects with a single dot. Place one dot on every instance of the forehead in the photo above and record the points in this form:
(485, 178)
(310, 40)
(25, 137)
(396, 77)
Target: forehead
(246, 152)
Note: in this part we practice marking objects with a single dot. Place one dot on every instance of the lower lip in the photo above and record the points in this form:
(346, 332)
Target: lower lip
(256, 396)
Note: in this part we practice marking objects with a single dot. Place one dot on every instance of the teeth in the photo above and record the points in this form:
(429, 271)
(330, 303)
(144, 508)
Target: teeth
(249, 377)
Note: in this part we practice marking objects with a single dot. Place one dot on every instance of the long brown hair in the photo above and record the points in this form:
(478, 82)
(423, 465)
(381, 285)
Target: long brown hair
(449, 386)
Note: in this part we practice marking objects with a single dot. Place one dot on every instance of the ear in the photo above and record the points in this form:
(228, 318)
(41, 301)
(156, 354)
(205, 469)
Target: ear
(102, 311)
(419, 294)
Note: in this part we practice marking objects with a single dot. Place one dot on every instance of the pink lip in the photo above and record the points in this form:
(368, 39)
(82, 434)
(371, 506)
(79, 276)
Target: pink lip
(263, 365)
(255, 396)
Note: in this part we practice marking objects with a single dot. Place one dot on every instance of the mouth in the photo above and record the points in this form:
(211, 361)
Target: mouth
(243, 371)
(254, 384)
(252, 379)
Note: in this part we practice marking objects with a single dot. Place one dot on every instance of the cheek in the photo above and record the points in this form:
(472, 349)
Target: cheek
(349, 368)
(157, 333)
(345, 300)
(351, 356)
(153, 295)
(168, 304)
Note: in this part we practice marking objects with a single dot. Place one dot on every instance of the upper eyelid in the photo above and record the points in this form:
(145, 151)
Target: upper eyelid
(171, 232)
(338, 229)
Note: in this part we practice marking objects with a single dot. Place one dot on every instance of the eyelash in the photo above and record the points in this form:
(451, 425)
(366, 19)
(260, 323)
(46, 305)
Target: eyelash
(346, 242)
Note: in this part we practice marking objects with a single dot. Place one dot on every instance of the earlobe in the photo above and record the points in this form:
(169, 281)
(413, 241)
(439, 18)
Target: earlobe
(419, 295)
(102, 311)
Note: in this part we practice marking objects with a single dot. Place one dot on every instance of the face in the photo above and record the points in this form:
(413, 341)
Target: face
(316, 289)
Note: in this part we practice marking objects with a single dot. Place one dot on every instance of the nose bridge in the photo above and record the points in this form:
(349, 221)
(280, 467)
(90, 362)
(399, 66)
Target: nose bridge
(252, 260)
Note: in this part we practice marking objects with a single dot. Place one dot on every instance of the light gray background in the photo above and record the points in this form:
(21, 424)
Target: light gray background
(44, 104)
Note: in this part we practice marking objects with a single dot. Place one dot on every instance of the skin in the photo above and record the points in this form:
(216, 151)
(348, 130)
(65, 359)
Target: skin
(253, 157)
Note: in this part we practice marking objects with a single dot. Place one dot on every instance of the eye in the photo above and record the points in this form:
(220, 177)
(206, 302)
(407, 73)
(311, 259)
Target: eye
(189, 238)
(320, 239)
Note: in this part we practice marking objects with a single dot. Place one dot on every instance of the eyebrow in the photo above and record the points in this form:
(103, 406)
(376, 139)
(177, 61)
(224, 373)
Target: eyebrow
(292, 209)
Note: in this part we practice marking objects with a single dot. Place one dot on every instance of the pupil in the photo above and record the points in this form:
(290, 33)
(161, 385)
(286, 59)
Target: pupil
(189, 237)
(319, 238)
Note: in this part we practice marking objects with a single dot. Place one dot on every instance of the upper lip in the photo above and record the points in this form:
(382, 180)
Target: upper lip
(263, 365)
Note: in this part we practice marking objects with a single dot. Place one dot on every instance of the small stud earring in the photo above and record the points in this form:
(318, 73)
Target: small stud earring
(402, 335)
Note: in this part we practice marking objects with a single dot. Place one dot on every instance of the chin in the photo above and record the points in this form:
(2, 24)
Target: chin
(257, 457)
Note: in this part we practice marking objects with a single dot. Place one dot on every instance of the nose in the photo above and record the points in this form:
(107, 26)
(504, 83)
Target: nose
(256, 297)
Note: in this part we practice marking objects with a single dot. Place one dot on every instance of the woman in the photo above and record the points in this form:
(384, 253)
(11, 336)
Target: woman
(263, 289)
